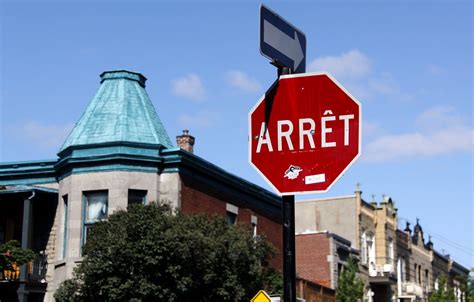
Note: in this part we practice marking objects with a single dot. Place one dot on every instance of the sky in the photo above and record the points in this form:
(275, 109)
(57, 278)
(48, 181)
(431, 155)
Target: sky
(409, 63)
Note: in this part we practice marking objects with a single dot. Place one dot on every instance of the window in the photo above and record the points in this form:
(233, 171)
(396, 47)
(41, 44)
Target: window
(427, 280)
(231, 218)
(95, 209)
(419, 274)
(371, 249)
(390, 251)
(363, 248)
(62, 255)
(136, 196)
(401, 270)
(232, 212)
(253, 221)
(416, 273)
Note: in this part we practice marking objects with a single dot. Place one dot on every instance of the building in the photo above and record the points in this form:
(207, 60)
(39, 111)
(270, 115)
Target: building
(118, 153)
(420, 267)
(369, 227)
(321, 256)
(394, 265)
(415, 282)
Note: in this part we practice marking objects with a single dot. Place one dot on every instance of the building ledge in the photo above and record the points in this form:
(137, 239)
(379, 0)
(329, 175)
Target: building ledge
(383, 279)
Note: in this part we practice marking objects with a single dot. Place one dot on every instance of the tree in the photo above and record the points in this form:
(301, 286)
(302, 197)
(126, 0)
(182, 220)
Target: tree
(150, 254)
(350, 287)
(13, 256)
(470, 289)
(467, 287)
(443, 293)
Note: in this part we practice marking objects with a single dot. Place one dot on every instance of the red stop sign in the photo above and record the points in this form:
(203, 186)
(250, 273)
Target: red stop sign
(304, 133)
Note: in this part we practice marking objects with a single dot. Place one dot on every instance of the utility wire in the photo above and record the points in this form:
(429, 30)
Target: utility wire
(450, 242)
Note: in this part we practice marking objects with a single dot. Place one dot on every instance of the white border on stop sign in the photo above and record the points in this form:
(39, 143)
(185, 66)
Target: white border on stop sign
(297, 75)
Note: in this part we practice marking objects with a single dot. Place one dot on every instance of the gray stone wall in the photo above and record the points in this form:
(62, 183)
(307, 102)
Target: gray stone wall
(117, 184)
(337, 215)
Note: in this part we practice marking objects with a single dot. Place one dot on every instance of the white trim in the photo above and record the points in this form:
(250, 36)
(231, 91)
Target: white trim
(328, 198)
(231, 208)
(254, 219)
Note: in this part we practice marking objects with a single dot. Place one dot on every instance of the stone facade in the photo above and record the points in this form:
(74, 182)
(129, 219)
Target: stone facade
(370, 228)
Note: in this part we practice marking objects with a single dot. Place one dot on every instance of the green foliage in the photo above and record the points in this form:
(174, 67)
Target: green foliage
(467, 287)
(444, 293)
(273, 283)
(470, 289)
(11, 252)
(68, 291)
(350, 287)
(149, 254)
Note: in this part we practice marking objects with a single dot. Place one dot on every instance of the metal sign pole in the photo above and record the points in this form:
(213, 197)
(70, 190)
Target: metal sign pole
(289, 257)
(289, 267)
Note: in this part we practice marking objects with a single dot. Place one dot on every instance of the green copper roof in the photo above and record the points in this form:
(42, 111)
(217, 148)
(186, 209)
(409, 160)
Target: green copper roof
(121, 111)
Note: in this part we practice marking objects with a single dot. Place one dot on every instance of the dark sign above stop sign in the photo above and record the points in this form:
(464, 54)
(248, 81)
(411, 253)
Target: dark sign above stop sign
(304, 133)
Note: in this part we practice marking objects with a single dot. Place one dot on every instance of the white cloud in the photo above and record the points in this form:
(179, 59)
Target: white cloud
(201, 119)
(352, 64)
(189, 86)
(45, 135)
(383, 84)
(439, 131)
(439, 117)
(355, 71)
(241, 80)
(370, 129)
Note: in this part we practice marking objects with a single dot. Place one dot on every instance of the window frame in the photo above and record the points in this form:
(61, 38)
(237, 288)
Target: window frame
(89, 224)
(232, 213)
(144, 199)
(364, 249)
(254, 223)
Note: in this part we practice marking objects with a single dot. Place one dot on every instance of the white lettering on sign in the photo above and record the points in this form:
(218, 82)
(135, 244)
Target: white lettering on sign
(306, 130)
(285, 134)
(264, 138)
(346, 119)
(325, 130)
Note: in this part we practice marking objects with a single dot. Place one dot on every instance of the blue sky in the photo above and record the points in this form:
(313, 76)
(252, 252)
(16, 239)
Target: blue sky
(408, 62)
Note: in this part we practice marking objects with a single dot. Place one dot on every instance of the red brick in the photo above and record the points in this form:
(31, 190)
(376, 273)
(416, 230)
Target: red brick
(312, 251)
(201, 200)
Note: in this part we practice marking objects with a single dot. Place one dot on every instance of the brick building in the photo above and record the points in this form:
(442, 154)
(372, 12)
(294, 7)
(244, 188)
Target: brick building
(321, 256)
(118, 153)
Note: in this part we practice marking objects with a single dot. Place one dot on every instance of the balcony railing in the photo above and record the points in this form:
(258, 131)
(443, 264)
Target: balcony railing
(381, 269)
(36, 270)
(411, 288)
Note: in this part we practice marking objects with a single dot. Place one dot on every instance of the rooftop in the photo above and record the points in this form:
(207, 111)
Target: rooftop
(121, 111)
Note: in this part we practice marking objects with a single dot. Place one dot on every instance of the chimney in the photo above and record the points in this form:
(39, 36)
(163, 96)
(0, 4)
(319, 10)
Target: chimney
(185, 141)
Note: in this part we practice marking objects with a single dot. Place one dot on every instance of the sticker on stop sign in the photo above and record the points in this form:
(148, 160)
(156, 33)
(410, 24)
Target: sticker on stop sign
(304, 133)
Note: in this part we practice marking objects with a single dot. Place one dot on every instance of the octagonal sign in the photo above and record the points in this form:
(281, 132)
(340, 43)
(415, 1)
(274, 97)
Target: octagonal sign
(304, 133)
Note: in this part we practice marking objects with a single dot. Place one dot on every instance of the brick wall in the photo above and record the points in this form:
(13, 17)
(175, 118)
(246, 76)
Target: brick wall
(312, 251)
(199, 199)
